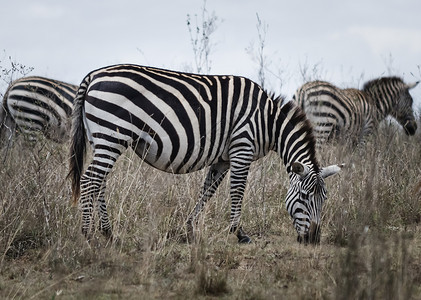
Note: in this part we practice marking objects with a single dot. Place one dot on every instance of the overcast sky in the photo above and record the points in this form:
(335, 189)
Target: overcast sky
(345, 42)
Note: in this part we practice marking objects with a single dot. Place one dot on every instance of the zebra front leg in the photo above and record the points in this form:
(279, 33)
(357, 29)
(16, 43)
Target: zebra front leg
(214, 177)
(239, 173)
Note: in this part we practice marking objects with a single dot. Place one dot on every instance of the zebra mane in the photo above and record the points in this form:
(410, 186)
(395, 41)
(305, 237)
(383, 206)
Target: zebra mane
(279, 100)
(382, 81)
(298, 117)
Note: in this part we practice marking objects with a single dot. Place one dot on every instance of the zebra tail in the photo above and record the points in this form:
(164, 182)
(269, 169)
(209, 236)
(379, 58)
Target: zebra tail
(78, 140)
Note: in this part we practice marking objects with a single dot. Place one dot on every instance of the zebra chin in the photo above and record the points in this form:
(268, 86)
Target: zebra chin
(312, 236)
(410, 127)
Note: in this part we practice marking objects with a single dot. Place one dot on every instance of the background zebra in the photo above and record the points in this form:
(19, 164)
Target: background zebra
(355, 113)
(180, 123)
(37, 104)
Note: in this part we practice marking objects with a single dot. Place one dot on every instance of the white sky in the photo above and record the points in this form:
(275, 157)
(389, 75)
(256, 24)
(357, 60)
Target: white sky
(345, 42)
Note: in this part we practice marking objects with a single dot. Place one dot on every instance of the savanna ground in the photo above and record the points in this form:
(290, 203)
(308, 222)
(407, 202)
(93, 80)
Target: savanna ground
(370, 246)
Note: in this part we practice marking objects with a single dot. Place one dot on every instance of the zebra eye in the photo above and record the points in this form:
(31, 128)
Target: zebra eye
(304, 194)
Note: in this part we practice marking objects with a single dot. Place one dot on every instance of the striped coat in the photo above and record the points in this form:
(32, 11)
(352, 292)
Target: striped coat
(179, 123)
(352, 113)
(37, 104)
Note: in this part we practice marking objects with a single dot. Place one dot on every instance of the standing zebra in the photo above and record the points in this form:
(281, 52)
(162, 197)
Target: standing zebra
(37, 104)
(355, 113)
(180, 123)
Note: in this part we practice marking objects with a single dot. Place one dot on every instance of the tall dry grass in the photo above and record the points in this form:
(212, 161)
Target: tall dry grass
(370, 244)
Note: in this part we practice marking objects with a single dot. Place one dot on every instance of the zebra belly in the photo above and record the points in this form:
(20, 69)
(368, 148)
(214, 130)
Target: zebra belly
(160, 158)
(154, 146)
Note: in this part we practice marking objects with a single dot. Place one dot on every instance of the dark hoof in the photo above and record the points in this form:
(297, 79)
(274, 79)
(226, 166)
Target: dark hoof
(108, 234)
(244, 240)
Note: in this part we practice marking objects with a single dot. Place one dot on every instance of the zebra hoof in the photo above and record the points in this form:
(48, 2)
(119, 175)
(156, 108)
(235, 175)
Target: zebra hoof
(108, 234)
(244, 240)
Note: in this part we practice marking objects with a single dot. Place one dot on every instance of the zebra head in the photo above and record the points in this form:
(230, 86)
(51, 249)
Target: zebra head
(305, 198)
(404, 112)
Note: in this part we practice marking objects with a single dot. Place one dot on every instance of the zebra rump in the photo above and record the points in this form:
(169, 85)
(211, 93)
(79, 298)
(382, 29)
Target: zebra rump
(37, 104)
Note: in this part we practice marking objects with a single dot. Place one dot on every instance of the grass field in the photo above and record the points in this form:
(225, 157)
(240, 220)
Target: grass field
(370, 246)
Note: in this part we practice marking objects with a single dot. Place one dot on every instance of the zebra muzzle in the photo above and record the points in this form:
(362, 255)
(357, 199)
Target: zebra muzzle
(410, 127)
(312, 236)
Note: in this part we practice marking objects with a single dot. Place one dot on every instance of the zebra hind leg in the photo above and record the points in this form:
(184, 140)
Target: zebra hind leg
(104, 221)
(93, 189)
(214, 177)
(89, 190)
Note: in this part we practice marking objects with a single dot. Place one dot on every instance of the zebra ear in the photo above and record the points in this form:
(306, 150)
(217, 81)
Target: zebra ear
(300, 169)
(412, 85)
(331, 170)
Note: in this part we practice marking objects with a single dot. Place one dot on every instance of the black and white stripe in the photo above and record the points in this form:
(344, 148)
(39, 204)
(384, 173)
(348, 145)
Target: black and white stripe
(180, 123)
(353, 113)
(38, 104)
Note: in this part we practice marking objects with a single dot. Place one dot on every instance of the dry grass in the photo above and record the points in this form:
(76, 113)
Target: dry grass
(370, 237)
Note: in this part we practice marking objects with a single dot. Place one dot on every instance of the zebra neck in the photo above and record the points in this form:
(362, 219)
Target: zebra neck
(384, 95)
(293, 136)
(263, 127)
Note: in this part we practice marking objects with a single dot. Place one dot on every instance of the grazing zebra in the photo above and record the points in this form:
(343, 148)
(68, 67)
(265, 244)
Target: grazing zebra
(355, 113)
(180, 123)
(37, 104)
